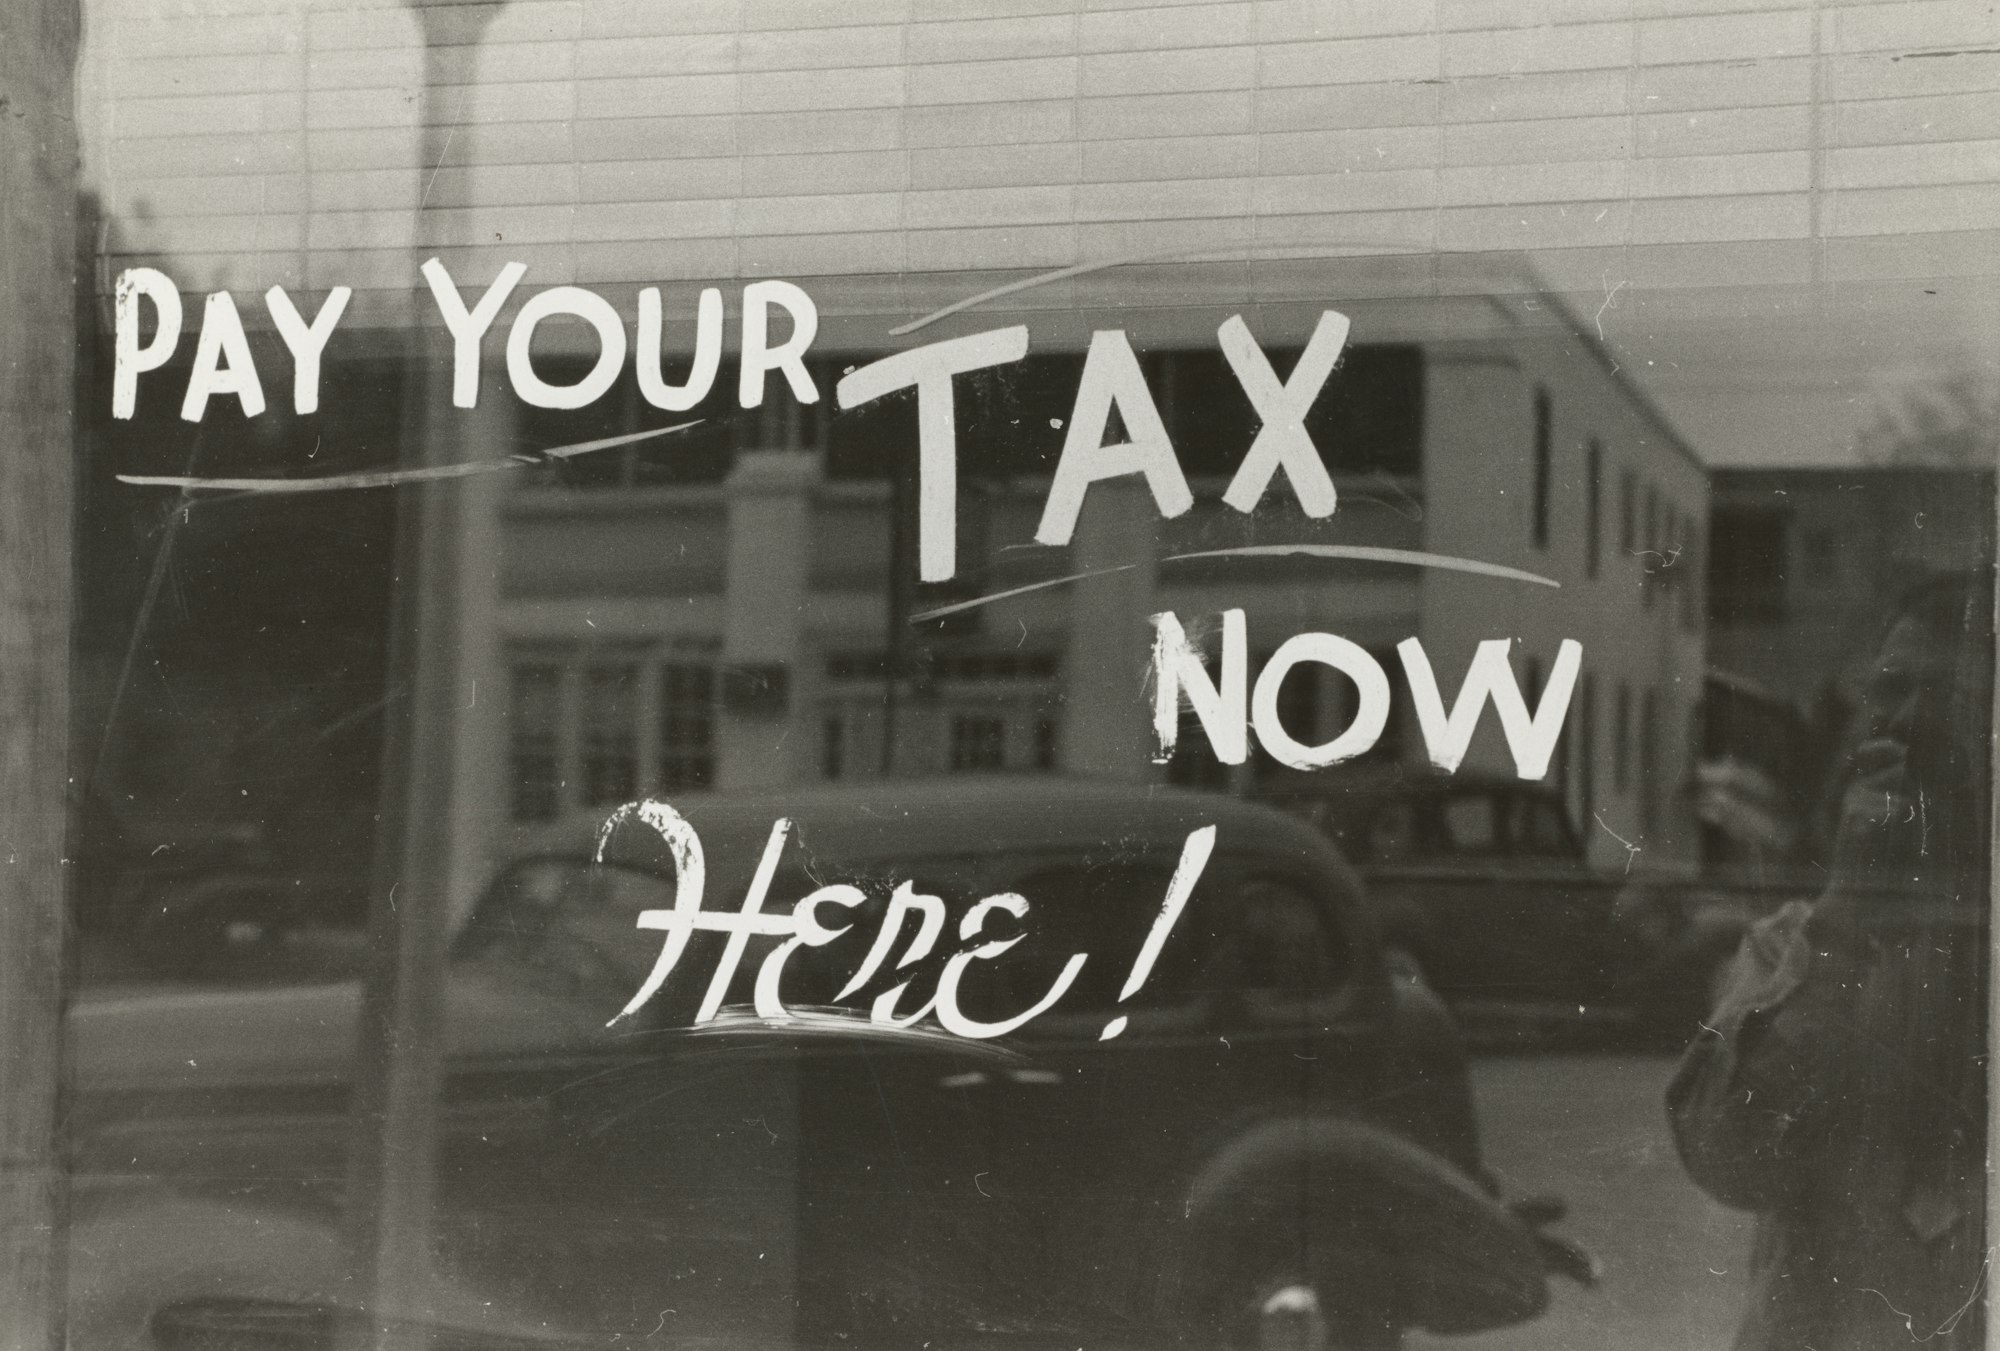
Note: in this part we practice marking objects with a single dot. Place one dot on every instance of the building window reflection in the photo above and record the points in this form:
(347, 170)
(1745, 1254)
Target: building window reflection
(610, 730)
(978, 742)
(578, 730)
(687, 725)
(537, 766)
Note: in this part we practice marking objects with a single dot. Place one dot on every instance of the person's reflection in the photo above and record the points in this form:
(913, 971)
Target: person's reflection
(1839, 1086)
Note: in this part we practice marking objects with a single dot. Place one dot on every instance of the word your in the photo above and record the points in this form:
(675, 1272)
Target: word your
(1177, 668)
(803, 928)
(223, 363)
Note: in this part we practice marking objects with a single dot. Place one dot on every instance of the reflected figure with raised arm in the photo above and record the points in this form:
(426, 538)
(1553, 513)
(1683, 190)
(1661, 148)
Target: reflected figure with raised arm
(1838, 1088)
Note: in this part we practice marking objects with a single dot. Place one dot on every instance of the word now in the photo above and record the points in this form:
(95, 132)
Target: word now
(1178, 668)
(803, 928)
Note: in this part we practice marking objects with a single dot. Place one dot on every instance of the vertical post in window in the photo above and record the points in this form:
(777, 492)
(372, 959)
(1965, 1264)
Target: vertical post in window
(479, 799)
(400, 1056)
(1693, 579)
(1593, 508)
(1104, 729)
(1628, 507)
(1586, 756)
(38, 44)
(767, 580)
(1651, 559)
(1993, 916)
(1649, 760)
(1621, 740)
(1544, 452)
(900, 590)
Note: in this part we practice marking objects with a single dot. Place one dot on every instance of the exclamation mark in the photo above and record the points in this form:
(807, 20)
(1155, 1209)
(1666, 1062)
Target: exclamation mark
(1194, 857)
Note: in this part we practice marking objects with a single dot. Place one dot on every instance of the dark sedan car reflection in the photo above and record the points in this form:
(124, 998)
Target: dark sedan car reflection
(1281, 1138)
(1485, 893)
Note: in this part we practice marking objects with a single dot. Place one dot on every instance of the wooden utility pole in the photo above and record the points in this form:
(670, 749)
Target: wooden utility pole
(38, 162)
(400, 1064)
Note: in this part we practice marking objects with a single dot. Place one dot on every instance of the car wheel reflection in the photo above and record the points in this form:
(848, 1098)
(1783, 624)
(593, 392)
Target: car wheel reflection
(1405, 965)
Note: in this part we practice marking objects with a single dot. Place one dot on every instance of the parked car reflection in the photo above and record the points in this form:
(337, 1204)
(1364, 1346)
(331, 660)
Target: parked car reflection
(1280, 1143)
(1486, 895)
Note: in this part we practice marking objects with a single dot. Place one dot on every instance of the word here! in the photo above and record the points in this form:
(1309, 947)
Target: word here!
(804, 927)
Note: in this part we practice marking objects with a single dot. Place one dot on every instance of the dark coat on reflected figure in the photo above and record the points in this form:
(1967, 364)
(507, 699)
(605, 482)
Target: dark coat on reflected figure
(1810, 1103)
(1838, 1088)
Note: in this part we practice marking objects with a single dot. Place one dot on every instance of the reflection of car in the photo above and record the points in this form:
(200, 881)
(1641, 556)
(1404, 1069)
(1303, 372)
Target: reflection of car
(219, 902)
(1281, 1131)
(1483, 888)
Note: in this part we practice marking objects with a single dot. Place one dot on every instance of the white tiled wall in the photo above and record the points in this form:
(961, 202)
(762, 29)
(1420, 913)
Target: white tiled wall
(614, 141)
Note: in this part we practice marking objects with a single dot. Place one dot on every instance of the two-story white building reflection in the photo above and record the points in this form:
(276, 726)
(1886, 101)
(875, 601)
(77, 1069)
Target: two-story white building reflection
(715, 609)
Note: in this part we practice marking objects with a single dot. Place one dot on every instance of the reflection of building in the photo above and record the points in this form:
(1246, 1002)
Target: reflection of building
(1807, 563)
(710, 609)
(1805, 567)
(894, 160)
(681, 616)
